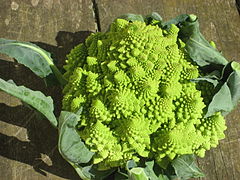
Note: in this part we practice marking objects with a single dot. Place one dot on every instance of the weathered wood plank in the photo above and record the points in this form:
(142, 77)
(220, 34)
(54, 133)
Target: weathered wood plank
(28, 146)
(220, 22)
(41, 20)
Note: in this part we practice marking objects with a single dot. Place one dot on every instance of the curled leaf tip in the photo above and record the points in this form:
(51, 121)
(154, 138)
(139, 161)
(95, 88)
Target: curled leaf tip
(192, 17)
(235, 66)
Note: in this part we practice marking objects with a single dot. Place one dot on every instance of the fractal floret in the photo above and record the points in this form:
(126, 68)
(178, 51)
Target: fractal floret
(133, 84)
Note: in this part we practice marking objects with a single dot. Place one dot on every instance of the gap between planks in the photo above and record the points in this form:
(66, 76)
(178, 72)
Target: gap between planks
(96, 15)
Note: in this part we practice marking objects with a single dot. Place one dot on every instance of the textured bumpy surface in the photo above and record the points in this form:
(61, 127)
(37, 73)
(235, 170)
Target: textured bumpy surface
(133, 83)
(26, 154)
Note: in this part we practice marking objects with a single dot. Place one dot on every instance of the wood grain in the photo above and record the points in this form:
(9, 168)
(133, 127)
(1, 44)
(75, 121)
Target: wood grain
(220, 22)
(28, 145)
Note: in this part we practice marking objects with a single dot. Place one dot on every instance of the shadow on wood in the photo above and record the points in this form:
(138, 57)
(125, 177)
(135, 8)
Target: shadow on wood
(39, 149)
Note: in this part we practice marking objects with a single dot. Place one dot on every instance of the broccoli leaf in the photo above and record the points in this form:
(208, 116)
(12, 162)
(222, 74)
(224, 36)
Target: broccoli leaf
(137, 174)
(132, 17)
(236, 67)
(32, 56)
(36, 99)
(205, 78)
(150, 171)
(150, 18)
(199, 49)
(177, 20)
(151, 174)
(223, 75)
(186, 168)
(74, 150)
(233, 83)
(91, 172)
(69, 143)
(130, 164)
(134, 172)
(79, 170)
(35, 58)
(228, 94)
(221, 101)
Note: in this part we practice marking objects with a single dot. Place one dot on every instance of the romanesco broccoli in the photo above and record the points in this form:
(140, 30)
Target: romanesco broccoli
(133, 83)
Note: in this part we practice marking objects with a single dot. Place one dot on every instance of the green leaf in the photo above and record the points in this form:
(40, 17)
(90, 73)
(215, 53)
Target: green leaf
(153, 18)
(91, 172)
(199, 49)
(132, 17)
(79, 170)
(185, 167)
(69, 143)
(137, 174)
(149, 170)
(212, 77)
(163, 177)
(32, 56)
(221, 102)
(215, 67)
(233, 83)
(227, 95)
(134, 172)
(164, 162)
(74, 150)
(177, 20)
(208, 79)
(130, 164)
(36, 99)
(236, 67)
(35, 58)
(151, 174)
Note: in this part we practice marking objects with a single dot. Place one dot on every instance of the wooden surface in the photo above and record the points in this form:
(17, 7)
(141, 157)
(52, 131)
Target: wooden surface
(28, 146)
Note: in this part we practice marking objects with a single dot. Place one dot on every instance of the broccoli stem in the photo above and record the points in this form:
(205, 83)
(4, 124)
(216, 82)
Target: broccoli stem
(58, 75)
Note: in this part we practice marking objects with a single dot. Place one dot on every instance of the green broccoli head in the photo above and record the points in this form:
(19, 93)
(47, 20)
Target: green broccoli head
(133, 83)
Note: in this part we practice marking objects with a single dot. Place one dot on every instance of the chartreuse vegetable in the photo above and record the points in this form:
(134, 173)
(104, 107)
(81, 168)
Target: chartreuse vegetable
(140, 99)
(134, 85)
